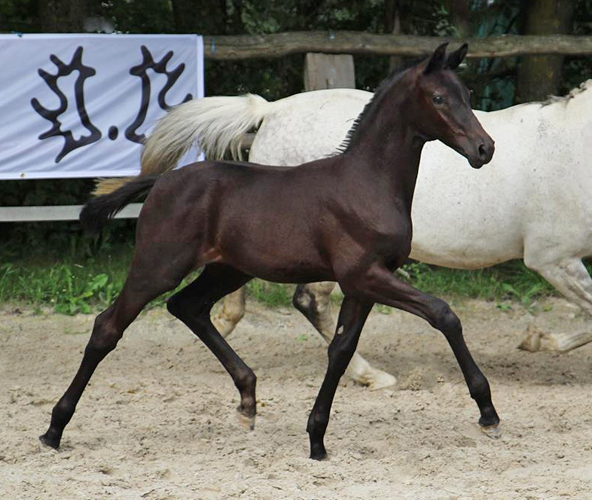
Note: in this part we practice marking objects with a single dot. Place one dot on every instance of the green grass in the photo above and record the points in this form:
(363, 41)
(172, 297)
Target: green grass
(84, 284)
(69, 285)
(271, 294)
(508, 281)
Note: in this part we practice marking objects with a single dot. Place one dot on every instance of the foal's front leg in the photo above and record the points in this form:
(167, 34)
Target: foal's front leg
(314, 301)
(378, 284)
(352, 317)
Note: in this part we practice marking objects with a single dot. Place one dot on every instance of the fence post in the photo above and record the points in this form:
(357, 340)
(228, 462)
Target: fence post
(329, 71)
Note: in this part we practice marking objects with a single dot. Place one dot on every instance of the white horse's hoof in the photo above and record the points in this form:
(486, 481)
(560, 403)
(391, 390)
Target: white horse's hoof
(383, 381)
(361, 371)
(537, 340)
(376, 379)
(532, 339)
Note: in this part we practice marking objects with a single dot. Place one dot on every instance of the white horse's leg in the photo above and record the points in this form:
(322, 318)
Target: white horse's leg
(571, 278)
(314, 301)
(231, 312)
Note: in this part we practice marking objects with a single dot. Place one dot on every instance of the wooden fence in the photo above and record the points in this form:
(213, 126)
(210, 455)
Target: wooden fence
(354, 42)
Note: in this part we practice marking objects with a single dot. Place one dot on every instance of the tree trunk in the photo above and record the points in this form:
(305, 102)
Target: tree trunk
(461, 14)
(392, 25)
(540, 76)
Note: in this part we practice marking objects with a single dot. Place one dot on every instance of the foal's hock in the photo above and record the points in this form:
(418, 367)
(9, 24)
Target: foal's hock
(346, 218)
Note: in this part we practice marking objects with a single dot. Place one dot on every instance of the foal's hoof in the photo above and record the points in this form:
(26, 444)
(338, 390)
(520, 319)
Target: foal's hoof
(320, 454)
(492, 431)
(47, 441)
(247, 421)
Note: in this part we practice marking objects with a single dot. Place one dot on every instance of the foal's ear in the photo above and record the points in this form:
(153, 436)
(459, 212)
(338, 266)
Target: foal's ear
(436, 62)
(456, 57)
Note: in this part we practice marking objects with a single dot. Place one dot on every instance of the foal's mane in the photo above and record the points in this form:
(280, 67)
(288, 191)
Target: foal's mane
(386, 84)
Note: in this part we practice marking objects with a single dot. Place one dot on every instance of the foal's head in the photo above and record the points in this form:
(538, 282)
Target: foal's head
(442, 108)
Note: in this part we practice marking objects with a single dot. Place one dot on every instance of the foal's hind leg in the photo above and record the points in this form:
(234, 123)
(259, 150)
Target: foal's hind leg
(192, 306)
(314, 301)
(107, 331)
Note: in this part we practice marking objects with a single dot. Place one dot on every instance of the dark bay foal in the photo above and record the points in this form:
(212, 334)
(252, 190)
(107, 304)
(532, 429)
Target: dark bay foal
(345, 219)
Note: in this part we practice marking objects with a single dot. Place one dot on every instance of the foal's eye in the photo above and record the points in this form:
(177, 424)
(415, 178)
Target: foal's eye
(438, 100)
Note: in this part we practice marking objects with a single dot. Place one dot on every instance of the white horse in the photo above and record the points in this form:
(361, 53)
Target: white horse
(534, 201)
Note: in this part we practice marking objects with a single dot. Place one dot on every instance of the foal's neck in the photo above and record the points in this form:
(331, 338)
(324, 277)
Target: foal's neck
(386, 148)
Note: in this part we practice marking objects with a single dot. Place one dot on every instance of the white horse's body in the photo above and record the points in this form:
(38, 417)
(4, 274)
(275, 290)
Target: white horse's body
(533, 201)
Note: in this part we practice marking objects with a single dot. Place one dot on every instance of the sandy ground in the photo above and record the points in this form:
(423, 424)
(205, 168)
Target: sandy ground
(158, 419)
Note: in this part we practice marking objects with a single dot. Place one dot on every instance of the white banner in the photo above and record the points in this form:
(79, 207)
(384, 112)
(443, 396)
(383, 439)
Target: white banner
(80, 105)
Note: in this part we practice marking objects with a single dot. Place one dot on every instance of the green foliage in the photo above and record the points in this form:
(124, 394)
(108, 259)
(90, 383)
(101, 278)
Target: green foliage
(271, 294)
(509, 281)
(18, 16)
(74, 301)
(138, 16)
(74, 285)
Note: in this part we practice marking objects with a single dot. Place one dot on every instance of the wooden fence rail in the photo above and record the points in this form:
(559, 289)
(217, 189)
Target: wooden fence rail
(57, 212)
(356, 42)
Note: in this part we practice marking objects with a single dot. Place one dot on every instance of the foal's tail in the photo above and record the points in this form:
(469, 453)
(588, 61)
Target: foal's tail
(101, 208)
(215, 124)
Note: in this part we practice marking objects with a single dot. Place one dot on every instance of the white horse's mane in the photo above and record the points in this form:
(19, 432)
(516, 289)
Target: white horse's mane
(571, 94)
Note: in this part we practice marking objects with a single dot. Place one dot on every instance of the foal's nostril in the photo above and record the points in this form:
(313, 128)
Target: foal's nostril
(482, 151)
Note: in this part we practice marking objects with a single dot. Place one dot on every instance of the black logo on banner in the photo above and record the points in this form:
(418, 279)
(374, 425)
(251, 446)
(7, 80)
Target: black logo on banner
(84, 72)
(141, 70)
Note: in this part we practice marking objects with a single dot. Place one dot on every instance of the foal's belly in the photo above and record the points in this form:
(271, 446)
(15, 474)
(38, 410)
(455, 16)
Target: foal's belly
(281, 268)
(277, 255)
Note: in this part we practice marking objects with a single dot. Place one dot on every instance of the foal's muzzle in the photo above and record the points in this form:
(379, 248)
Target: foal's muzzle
(483, 152)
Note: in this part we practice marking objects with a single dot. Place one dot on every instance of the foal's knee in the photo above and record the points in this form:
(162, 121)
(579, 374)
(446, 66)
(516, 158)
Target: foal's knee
(446, 320)
(105, 336)
(340, 354)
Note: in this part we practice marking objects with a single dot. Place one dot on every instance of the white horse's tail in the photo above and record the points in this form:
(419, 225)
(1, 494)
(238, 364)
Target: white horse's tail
(215, 124)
